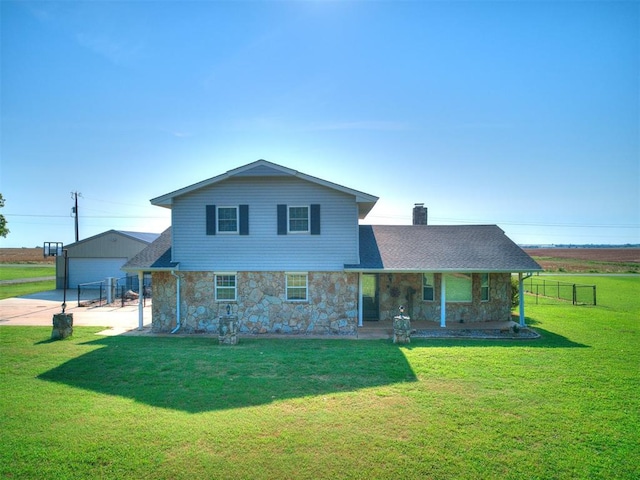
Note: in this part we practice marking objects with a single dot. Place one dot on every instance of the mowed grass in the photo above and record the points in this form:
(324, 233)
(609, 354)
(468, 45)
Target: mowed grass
(564, 406)
(20, 289)
(16, 272)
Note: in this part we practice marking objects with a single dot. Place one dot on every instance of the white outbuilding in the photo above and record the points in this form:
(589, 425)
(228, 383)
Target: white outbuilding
(101, 256)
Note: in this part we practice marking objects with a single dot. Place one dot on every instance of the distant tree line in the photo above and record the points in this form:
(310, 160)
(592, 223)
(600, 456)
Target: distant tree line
(589, 245)
(4, 231)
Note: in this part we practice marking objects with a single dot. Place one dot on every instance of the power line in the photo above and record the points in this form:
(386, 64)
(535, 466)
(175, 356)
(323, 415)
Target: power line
(84, 216)
(527, 224)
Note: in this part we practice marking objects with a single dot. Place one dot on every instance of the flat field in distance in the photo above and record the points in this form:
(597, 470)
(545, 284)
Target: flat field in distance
(587, 260)
(24, 255)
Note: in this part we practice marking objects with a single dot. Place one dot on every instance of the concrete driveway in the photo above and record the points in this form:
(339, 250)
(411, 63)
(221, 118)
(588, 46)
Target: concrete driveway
(39, 308)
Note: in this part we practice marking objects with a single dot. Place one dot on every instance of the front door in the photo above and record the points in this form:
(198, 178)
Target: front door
(370, 302)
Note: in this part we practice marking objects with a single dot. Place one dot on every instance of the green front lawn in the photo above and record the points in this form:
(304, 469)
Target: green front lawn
(20, 289)
(564, 406)
(14, 272)
(17, 272)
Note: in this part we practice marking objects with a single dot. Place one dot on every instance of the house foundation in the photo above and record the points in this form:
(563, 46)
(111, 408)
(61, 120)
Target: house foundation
(261, 305)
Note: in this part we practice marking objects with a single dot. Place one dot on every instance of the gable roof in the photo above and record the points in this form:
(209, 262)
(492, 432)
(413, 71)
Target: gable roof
(263, 168)
(440, 248)
(144, 237)
(157, 256)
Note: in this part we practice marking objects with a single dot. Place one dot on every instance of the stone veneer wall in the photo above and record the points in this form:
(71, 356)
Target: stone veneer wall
(261, 306)
(406, 289)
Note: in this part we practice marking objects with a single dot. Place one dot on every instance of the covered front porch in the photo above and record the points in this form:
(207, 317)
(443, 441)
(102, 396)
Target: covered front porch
(450, 299)
(510, 329)
(442, 274)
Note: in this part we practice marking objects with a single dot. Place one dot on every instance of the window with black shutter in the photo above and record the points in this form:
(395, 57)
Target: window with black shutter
(227, 219)
(299, 219)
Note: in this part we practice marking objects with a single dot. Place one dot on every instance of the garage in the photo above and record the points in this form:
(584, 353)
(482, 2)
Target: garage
(88, 270)
(96, 258)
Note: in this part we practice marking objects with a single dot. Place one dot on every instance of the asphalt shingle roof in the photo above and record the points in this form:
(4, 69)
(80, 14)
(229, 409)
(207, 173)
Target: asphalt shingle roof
(156, 256)
(440, 248)
(436, 248)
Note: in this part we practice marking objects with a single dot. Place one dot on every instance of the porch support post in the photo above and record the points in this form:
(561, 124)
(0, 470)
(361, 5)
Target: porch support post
(140, 299)
(443, 300)
(521, 299)
(360, 299)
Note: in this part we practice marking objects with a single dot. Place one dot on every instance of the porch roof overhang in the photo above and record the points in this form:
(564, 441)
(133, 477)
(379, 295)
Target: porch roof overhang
(154, 258)
(439, 249)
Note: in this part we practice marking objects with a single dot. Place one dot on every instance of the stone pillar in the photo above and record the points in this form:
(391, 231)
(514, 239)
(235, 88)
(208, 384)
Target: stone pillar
(228, 330)
(62, 326)
(111, 289)
(401, 329)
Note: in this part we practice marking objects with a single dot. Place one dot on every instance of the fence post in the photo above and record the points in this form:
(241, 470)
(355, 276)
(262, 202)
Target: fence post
(594, 295)
(575, 296)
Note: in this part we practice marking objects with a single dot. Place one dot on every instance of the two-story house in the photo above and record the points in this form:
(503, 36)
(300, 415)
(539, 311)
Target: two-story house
(284, 252)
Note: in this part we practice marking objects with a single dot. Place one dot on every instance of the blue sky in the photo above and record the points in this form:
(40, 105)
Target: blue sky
(520, 114)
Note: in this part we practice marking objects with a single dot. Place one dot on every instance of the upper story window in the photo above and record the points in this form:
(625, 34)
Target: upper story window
(298, 219)
(227, 219)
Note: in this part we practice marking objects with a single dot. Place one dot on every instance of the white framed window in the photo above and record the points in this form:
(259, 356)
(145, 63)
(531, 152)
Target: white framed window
(227, 219)
(298, 219)
(484, 287)
(226, 287)
(427, 287)
(297, 286)
(458, 288)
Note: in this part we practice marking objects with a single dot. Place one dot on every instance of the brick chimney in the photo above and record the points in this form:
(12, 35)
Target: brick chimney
(419, 214)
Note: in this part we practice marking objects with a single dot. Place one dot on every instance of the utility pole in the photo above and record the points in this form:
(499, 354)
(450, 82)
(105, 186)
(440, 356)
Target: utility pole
(74, 211)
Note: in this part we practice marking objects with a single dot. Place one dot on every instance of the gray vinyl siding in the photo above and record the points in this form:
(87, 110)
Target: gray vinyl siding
(263, 249)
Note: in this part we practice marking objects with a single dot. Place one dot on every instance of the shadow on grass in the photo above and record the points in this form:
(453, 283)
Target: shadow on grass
(547, 339)
(46, 341)
(197, 374)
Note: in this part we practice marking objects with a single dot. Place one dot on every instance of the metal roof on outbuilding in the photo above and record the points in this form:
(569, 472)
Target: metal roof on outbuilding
(144, 237)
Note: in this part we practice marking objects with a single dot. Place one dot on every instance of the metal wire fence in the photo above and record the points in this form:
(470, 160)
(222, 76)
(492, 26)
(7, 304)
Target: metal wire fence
(92, 294)
(128, 289)
(124, 290)
(576, 293)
